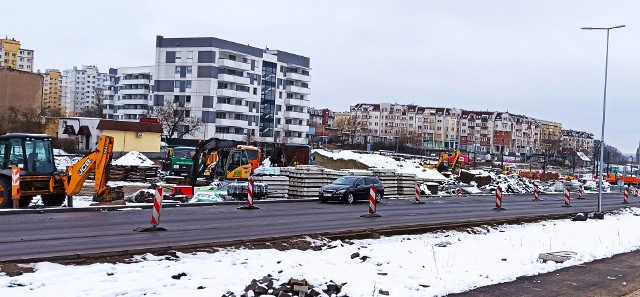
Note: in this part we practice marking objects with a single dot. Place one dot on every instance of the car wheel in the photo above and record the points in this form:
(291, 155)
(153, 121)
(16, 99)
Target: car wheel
(378, 197)
(349, 198)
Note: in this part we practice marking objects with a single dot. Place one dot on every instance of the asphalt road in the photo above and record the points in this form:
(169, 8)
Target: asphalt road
(37, 236)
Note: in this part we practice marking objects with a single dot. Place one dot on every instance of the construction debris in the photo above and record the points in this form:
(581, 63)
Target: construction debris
(294, 287)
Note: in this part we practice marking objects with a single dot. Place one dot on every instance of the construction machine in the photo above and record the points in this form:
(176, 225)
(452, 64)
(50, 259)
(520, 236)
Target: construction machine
(33, 155)
(448, 161)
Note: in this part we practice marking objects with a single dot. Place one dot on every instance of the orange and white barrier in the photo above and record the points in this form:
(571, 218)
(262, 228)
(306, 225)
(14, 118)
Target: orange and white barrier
(372, 204)
(626, 195)
(580, 192)
(250, 188)
(536, 193)
(15, 186)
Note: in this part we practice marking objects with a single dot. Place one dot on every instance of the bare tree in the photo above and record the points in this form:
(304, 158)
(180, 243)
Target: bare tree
(349, 126)
(97, 110)
(54, 112)
(21, 119)
(410, 138)
(176, 118)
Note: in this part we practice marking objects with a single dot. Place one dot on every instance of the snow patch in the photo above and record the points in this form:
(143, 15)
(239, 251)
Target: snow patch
(133, 158)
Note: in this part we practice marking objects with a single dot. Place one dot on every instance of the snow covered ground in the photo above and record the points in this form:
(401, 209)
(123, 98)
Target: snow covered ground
(433, 264)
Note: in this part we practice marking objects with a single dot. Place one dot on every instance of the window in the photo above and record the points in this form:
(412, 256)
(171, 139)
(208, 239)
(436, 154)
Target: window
(178, 69)
(189, 69)
(255, 92)
(188, 84)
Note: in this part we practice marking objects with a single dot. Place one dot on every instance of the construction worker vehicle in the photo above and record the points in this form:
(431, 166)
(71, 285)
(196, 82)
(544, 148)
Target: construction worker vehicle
(32, 156)
(179, 160)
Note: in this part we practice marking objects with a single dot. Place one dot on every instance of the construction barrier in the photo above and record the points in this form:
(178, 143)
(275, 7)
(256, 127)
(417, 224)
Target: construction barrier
(417, 201)
(567, 197)
(250, 188)
(157, 207)
(15, 186)
(626, 195)
(536, 193)
(372, 204)
(155, 216)
(580, 192)
(635, 191)
(498, 199)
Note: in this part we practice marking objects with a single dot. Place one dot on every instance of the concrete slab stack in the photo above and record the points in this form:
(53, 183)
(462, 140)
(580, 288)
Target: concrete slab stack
(305, 181)
(389, 180)
(406, 184)
(278, 184)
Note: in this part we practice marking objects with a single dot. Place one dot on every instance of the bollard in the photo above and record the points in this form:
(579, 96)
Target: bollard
(580, 192)
(157, 207)
(250, 186)
(536, 193)
(498, 199)
(567, 197)
(372, 205)
(626, 195)
(155, 216)
(15, 186)
(635, 191)
(417, 201)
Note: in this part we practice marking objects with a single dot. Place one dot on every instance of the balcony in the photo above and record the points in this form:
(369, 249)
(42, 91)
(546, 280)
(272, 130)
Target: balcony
(298, 76)
(233, 79)
(136, 81)
(123, 102)
(132, 111)
(296, 115)
(296, 128)
(232, 123)
(234, 64)
(232, 93)
(133, 92)
(297, 140)
(229, 136)
(296, 102)
(299, 90)
(232, 108)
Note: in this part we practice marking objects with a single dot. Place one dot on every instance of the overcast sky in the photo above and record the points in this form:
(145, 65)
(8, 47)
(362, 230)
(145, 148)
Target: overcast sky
(526, 57)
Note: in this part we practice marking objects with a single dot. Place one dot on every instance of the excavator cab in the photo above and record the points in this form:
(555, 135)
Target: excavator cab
(233, 164)
(32, 153)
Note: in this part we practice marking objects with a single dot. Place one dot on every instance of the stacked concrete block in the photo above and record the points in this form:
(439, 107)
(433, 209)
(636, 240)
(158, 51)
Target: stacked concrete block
(406, 184)
(305, 181)
(278, 184)
(389, 180)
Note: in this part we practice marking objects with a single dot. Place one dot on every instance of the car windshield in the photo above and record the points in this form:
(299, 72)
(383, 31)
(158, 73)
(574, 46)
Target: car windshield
(183, 152)
(346, 180)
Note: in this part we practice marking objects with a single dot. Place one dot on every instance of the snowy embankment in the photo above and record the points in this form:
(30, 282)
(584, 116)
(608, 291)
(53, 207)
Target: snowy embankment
(133, 158)
(433, 264)
(379, 161)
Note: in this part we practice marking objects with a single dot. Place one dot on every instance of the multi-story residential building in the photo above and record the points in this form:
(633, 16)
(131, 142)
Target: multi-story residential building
(52, 89)
(238, 90)
(129, 95)
(551, 136)
(15, 57)
(577, 141)
(448, 128)
(82, 88)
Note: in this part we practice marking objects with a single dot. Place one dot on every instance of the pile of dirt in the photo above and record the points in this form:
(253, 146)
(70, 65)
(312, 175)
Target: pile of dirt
(336, 164)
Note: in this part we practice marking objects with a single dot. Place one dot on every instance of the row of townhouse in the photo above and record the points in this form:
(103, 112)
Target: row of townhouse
(487, 132)
(238, 90)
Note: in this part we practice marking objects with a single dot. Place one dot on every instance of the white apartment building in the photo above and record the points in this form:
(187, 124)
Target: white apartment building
(131, 98)
(79, 87)
(237, 89)
(577, 141)
(25, 60)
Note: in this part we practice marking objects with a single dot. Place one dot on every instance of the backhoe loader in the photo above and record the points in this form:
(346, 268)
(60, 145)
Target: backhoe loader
(33, 155)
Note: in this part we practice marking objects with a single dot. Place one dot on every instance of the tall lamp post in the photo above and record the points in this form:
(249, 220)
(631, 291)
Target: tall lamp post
(599, 213)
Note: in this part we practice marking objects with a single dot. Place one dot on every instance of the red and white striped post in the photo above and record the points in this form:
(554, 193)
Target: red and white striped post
(498, 199)
(157, 207)
(536, 193)
(567, 197)
(635, 191)
(250, 187)
(580, 192)
(417, 201)
(372, 204)
(626, 195)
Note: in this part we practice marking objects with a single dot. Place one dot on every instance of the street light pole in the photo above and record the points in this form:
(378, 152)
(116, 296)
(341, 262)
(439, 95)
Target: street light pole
(599, 213)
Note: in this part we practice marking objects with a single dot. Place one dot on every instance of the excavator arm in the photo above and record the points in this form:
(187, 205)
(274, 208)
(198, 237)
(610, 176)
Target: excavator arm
(99, 160)
(456, 158)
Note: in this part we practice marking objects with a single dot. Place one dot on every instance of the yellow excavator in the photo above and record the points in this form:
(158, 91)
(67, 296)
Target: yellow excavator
(448, 161)
(32, 156)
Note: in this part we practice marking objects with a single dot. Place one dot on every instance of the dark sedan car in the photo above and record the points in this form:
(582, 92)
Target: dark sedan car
(351, 188)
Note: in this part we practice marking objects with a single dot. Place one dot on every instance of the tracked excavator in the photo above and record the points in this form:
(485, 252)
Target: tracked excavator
(32, 154)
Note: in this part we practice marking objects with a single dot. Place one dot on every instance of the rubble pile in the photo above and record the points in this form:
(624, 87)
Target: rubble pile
(294, 287)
